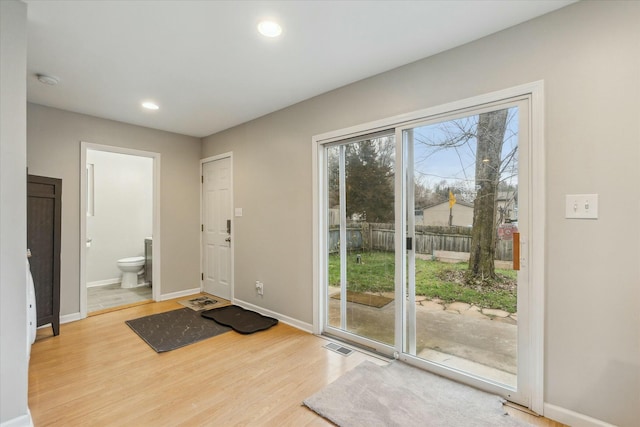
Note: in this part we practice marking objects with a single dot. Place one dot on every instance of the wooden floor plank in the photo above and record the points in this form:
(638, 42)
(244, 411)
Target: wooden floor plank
(98, 372)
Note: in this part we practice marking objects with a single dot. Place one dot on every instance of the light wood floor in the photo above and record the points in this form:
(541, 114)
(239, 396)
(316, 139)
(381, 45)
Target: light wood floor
(98, 372)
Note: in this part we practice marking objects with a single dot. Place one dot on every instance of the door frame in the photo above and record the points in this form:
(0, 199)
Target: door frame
(157, 247)
(537, 198)
(217, 157)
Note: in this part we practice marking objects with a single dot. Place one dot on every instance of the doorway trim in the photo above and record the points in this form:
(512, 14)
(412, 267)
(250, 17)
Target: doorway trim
(157, 247)
(228, 155)
(536, 256)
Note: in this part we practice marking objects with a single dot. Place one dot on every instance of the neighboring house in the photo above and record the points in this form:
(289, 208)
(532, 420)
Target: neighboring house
(438, 214)
(462, 212)
(507, 206)
(334, 216)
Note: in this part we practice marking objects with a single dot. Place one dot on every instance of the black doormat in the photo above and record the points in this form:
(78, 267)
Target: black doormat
(241, 320)
(174, 329)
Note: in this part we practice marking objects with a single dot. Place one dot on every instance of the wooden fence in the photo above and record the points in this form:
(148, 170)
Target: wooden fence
(381, 237)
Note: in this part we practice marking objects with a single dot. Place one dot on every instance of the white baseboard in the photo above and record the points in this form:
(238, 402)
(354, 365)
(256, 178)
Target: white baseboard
(571, 418)
(104, 282)
(21, 421)
(67, 318)
(180, 294)
(307, 327)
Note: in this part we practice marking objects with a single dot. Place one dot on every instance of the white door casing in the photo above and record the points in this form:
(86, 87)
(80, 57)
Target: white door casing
(157, 246)
(217, 272)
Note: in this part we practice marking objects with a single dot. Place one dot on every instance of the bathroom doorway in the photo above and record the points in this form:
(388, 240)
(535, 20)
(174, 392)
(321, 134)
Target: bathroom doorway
(119, 239)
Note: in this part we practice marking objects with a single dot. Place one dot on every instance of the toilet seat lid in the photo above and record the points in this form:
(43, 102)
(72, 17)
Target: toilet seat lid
(131, 260)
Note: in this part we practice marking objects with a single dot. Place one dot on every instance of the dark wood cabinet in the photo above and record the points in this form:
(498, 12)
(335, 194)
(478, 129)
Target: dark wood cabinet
(44, 214)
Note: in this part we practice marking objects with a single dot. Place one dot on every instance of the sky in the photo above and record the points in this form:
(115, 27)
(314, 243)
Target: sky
(456, 165)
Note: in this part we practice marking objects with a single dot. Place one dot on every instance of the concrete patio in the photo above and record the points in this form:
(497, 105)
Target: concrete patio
(457, 335)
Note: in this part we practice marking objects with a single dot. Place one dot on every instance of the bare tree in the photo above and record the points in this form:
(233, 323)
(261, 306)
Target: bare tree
(490, 136)
(478, 143)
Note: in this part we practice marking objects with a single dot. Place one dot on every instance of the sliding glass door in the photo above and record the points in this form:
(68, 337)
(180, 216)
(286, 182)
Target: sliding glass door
(425, 238)
(360, 253)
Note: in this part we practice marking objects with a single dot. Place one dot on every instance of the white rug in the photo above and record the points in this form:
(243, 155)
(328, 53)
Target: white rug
(401, 395)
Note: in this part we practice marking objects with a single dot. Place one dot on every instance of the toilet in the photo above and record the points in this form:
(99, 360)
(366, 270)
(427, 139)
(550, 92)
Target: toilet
(130, 268)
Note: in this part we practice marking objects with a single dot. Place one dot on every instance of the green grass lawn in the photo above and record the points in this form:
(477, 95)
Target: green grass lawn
(434, 279)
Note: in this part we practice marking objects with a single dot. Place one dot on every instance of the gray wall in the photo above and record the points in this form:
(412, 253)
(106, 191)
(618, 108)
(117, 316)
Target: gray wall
(123, 214)
(588, 55)
(13, 214)
(53, 149)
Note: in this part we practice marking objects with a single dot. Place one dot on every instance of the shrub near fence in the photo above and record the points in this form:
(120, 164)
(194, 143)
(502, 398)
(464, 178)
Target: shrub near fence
(381, 237)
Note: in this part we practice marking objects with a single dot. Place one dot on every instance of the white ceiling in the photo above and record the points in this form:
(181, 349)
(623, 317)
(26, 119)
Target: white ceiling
(207, 67)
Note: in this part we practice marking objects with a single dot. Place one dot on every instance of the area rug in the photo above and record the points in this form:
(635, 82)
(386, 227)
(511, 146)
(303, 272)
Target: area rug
(401, 395)
(202, 303)
(241, 320)
(377, 301)
(174, 329)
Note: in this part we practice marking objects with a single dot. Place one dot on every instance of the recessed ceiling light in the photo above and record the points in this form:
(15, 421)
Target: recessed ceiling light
(48, 80)
(150, 105)
(269, 29)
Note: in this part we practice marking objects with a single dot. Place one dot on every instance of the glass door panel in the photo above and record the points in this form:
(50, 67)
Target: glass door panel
(464, 216)
(360, 222)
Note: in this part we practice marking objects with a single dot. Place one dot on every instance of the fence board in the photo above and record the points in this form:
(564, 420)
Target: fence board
(381, 237)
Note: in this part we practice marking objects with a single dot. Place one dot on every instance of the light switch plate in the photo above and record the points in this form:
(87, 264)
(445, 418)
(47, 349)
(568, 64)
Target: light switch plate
(238, 211)
(581, 206)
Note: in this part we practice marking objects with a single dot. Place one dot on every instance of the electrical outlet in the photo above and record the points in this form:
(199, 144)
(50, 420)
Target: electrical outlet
(260, 287)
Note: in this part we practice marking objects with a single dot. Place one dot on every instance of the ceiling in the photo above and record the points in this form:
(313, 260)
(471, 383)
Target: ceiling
(207, 67)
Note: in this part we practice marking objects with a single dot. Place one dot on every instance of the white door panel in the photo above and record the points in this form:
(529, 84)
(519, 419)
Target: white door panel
(216, 239)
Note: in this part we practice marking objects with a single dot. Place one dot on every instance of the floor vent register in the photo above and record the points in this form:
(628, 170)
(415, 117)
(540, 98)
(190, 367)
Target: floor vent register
(339, 349)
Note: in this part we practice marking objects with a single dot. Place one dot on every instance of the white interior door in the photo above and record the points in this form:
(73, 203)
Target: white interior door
(216, 228)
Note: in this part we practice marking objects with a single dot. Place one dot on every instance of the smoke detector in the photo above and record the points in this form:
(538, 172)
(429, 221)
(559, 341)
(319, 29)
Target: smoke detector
(48, 80)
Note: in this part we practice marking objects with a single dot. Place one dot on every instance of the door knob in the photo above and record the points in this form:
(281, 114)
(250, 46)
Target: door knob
(228, 239)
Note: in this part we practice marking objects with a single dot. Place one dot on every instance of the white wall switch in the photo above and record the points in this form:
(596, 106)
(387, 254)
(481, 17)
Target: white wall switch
(238, 211)
(581, 206)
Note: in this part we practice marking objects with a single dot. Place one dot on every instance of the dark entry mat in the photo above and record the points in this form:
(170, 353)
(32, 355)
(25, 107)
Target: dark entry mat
(241, 320)
(377, 301)
(174, 329)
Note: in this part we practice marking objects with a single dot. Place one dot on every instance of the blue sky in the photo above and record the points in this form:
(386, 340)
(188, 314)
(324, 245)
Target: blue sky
(432, 163)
